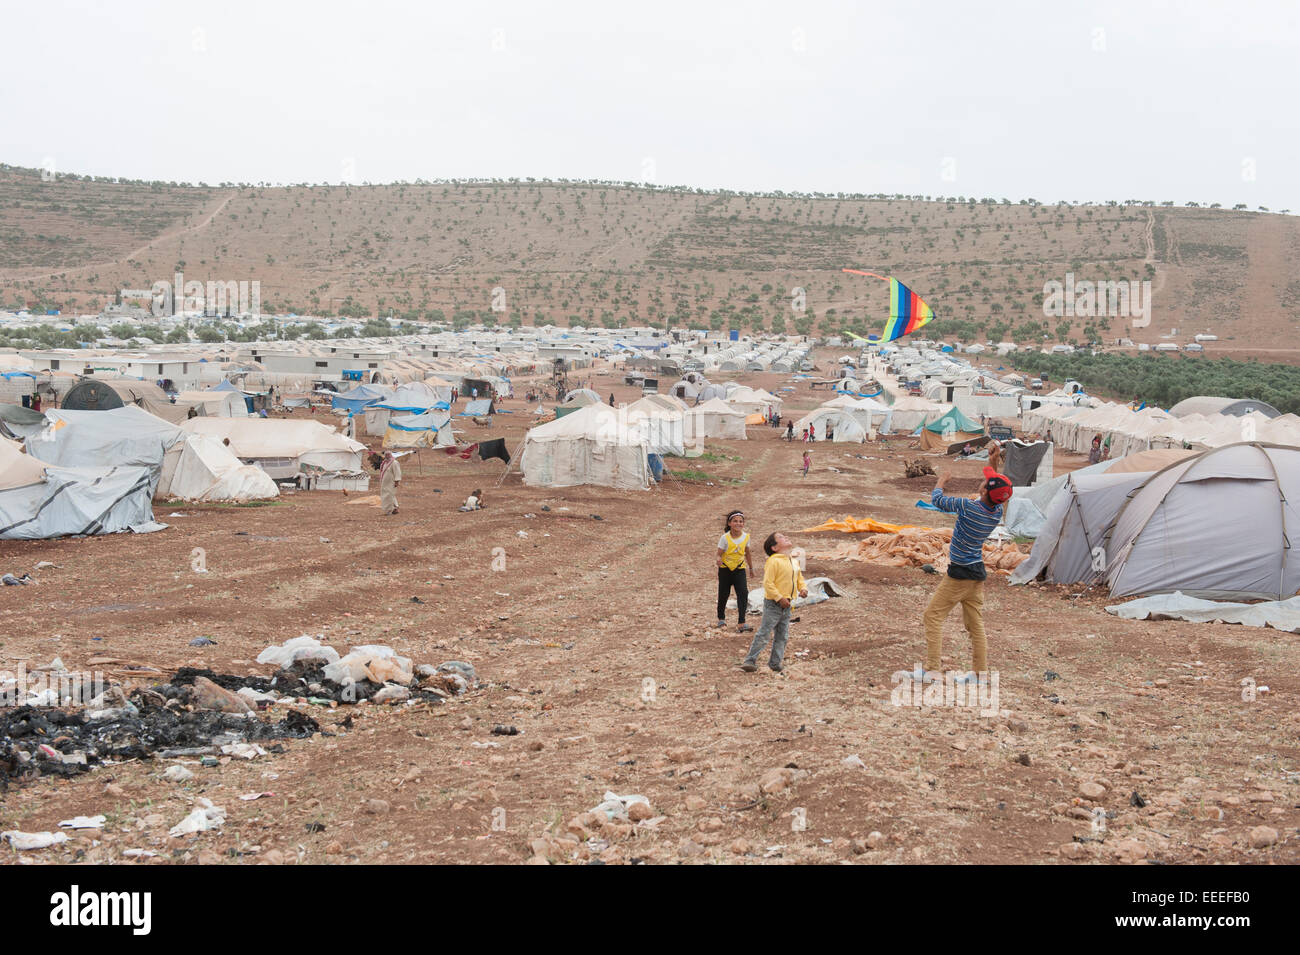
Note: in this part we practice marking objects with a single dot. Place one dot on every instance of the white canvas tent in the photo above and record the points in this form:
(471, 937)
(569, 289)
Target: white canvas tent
(281, 446)
(840, 421)
(714, 419)
(589, 446)
(201, 468)
(217, 404)
(664, 429)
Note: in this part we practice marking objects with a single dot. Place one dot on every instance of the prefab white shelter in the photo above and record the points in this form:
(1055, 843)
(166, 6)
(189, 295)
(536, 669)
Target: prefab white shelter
(589, 446)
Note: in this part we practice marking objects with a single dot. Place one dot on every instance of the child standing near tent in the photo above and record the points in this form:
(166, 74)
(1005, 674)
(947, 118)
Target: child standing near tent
(807, 462)
(734, 568)
(782, 580)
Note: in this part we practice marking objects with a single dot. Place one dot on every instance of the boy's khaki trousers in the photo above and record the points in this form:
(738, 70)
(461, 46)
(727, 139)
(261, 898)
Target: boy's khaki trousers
(949, 593)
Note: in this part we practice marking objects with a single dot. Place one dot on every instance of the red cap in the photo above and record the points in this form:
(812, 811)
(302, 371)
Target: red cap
(999, 486)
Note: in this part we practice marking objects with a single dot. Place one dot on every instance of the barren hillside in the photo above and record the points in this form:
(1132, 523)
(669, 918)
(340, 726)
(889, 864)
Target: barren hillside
(609, 254)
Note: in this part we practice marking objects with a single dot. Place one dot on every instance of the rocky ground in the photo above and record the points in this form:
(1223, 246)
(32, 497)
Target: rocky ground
(1108, 741)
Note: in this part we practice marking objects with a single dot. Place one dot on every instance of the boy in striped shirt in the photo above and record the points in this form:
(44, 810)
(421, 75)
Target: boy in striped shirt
(964, 583)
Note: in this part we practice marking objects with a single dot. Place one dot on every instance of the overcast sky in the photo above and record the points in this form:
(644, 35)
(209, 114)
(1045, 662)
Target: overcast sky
(1189, 101)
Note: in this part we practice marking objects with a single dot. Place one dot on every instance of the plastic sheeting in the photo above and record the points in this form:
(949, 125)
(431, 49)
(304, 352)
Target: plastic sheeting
(122, 437)
(77, 501)
(1278, 614)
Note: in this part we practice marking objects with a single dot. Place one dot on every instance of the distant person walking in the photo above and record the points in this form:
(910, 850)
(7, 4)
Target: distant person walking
(390, 475)
(964, 583)
(789, 430)
(734, 568)
(781, 581)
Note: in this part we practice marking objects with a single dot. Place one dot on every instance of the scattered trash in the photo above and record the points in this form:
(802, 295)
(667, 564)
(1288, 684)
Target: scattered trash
(206, 817)
(178, 774)
(416, 600)
(33, 840)
(46, 565)
(138, 853)
(854, 762)
(203, 642)
(11, 581)
(617, 807)
(243, 750)
(929, 568)
(597, 517)
(546, 507)
(502, 730)
(84, 822)
(249, 797)
(304, 648)
(1050, 675)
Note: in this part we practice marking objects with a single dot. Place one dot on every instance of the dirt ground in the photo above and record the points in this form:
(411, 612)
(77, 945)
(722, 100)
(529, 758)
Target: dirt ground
(595, 642)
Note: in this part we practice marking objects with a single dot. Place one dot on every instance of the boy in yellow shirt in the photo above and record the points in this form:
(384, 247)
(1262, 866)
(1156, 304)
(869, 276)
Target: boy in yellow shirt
(781, 581)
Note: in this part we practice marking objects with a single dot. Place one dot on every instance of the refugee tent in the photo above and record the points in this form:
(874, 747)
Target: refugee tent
(206, 470)
(709, 392)
(578, 400)
(218, 404)
(413, 398)
(1215, 524)
(684, 389)
(949, 428)
(102, 394)
(838, 421)
(19, 421)
(361, 397)
(39, 501)
(122, 437)
(283, 446)
(911, 412)
(1024, 514)
(589, 446)
(663, 428)
(714, 419)
(419, 430)
(478, 407)
(586, 393)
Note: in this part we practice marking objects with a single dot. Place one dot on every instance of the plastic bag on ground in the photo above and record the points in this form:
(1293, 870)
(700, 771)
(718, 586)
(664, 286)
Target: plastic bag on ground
(206, 817)
(305, 647)
(378, 664)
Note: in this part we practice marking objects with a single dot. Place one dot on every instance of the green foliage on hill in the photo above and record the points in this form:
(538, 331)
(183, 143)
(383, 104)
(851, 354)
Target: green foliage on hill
(1165, 380)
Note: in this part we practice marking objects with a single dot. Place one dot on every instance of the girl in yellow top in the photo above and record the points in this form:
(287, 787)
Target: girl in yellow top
(734, 568)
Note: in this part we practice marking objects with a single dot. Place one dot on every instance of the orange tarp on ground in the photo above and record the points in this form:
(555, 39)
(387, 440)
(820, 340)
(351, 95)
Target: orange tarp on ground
(858, 525)
(903, 545)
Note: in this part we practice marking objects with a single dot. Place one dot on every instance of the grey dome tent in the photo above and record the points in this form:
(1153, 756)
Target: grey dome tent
(1216, 525)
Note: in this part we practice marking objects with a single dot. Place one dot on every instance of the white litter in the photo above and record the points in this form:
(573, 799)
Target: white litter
(305, 647)
(616, 806)
(178, 774)
(243, 750)
(84, 822)
(206, 817)
(33, 840)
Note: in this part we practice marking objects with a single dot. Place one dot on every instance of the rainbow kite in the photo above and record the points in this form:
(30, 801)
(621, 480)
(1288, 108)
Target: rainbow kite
(907, 310)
